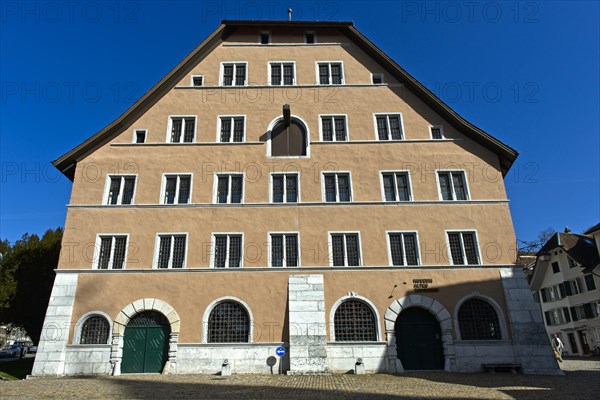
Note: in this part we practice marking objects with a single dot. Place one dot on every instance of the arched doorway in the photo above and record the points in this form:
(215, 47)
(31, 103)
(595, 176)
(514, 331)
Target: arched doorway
(288, 140)
(419, 340)
(146, 343)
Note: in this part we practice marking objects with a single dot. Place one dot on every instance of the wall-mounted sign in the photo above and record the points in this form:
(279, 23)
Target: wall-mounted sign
(423, 285)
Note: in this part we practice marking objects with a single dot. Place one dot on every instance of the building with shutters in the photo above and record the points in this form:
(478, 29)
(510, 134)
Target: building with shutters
(566, 283)
(289, 185)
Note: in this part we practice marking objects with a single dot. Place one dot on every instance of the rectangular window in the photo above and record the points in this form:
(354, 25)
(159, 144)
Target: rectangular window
(120, 189)
(285, 188)
(345, 250)
(227, 251)
(330, 73)
(265, 38)
(403, 248)
(566, 315)
(234, 74)
(111, 252)
(544, 295)
(183, 129)
(396, 186)
(177, 189)
(453, 185)
(463, 248)
(232, 129)
(437, 132)
(389, 126)
(229, 188)
(284, 250)
(282, 73)
(377, 79)
(589, 282)
(555, 267)
(333, 128)
(310, 38)
(171, 251)
(140, 136)
(337, 187)
(197, 80)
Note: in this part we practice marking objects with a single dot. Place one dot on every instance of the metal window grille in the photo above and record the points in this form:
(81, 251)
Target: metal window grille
(120, 244)
(336, 74)
(223, 189)
(396, 249)
(275, 74)
(343, 181)
(382, 129)
(436, 133)
(236, 189)
(188, 135)
(277, 250)
(240, 75)
(185, 183)
(235, 251)
(395, 127)
(324, 74)
(220, 251)
(337, 247)
(164, 252)
(327, 129)
(388, 187)
(148, 319)
(458, 182)
(225, 130)
(402, 186)
(345, 249)
(238, 129)
(330, 192)
(340, 129)
(478, 320)
(278, 189)
(291, 188)
(410, 247)
(177, 124)
(354, 321)
(128, 187)
(105, 250)
(288, 74)
(95, 330)
(228, 323)
(445, 189)
(291, 250)
(178, 251)
(352, 250)
(456, 250)
(470, 246)
(284, 250)
(228, 75)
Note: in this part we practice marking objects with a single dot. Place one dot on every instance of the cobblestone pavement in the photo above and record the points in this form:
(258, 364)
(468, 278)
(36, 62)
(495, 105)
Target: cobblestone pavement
(582, 381)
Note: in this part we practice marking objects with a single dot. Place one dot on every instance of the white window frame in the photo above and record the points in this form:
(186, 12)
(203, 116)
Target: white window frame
(157, 249)
(462, 244)
(219, 124)
(285, 234)
(235, 64)
(330, 247)
(396, 171)
(135, 131)
(440, 127)
(389, 246)
(337, 188)
(269, 64)
(213, 249)
(170, 128)
(314, 37)
(216, 187)
(388, 115)
(329, 68)
(121, 188)
(196, 76)
(83, 319)
(98, 246)
(272, 174)
(439, 186)
(320, 122)
(379, 74)
(268, 33)
(163, 186)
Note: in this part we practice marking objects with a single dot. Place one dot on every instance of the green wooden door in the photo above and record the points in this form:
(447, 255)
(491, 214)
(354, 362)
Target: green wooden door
(145, 343)
(419, 340)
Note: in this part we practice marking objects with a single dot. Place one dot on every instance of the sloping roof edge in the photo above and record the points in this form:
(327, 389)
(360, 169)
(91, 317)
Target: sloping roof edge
(67, 162)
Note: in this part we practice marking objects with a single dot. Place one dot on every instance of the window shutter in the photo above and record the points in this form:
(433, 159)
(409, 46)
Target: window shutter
(568, 289)
(587, 309)
(574, 314)
(566, 314)
(561, 288)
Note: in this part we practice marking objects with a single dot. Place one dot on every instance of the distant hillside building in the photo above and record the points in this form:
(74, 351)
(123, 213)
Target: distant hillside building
(566, 282)
(289, 185)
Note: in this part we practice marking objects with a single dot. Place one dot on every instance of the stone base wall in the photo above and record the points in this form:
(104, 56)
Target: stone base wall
(470, 355)
(341, 357)
(88, 360)
(244, 358)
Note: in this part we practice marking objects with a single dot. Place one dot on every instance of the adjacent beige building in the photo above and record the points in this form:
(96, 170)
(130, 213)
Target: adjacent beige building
(289, 185)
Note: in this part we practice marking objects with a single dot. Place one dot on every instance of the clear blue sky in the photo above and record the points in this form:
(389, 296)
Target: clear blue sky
(526, 72)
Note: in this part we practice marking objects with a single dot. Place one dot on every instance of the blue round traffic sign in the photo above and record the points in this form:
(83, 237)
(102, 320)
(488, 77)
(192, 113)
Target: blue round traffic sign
(280, 351)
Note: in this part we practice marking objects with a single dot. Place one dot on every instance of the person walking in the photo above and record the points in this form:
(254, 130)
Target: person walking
(557, 346)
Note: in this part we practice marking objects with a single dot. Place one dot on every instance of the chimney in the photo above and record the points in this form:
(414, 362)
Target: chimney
(567, 230)
(289, 14)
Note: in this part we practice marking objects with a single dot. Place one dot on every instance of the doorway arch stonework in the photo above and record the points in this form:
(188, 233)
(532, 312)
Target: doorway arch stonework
(433, 306)
(122, 319)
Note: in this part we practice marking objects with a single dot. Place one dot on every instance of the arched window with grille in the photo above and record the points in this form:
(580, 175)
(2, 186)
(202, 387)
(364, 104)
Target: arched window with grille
(95, 330)
(354, 321)
(228, 322)
(477, 320)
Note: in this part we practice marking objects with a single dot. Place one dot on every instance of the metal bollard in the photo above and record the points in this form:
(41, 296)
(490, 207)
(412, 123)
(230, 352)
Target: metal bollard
(359, 367)
(225, 368)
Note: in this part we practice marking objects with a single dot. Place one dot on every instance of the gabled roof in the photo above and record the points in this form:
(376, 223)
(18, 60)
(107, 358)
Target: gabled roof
(593, 229)
(67, 162)
(581, 248)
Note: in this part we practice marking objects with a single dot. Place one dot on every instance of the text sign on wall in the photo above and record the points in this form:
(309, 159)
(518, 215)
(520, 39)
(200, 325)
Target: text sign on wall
(423, 285)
